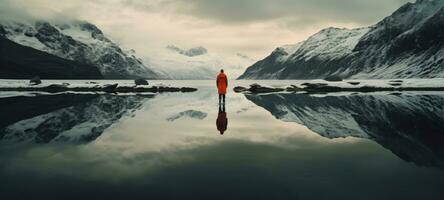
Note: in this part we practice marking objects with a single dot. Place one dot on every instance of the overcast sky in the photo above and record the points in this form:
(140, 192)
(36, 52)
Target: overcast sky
(251, 27)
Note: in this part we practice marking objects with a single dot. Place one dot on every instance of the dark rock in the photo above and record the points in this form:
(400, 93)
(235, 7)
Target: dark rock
(110, 87)
(314, 85)
(56, 88)
(125, 89)
(188, 89)
(396, 93)
(141, 82)
(310, 84)
(35, 81)
(395, 84)
(321, 87)
(396, 81)
(354, 83)
(333, 79)
(256, 88)
(239, 89)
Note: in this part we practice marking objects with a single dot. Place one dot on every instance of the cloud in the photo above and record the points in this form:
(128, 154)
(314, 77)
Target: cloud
(253, 27)
(251, 11)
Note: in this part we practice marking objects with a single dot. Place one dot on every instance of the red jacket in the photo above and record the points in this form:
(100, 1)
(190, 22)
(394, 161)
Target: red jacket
(222, 83)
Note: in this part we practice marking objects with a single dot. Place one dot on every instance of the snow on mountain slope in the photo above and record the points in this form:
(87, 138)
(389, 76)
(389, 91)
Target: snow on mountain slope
(330, 43)
(287, 51)
(324, 47)
(23, 62)
(175, 65)
(78, 41)
(407, 44)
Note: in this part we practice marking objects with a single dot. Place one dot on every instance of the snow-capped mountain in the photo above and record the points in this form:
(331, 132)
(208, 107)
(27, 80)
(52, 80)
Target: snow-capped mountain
(174, 63)
(407, 44)
(78, 41)
(409, 126)
(22, 62)
(69, 118)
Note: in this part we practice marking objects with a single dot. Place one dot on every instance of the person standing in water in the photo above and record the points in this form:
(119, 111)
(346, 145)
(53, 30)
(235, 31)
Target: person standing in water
(222, 84)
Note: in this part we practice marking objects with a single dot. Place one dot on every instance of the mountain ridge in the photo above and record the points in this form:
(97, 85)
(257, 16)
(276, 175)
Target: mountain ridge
(78, 41)
(406, 44)
(22, 62)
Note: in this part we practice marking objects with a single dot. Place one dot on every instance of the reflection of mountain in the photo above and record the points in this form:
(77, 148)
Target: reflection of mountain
(410, 126)
(194, 114)
(63, 118)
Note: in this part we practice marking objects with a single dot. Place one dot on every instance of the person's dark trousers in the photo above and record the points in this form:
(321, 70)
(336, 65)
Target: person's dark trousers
(221, 98)
(221, 108)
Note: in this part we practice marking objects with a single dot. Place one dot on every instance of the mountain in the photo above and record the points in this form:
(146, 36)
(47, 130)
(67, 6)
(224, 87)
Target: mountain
(195, 63)
(196, 51)
(78, 41)
(21, 62)
(407, 44)
(408, 125)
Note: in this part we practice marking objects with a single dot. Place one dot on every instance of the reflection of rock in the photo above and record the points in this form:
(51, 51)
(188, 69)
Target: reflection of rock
(410, 126)
(190, 114)
(78, 119)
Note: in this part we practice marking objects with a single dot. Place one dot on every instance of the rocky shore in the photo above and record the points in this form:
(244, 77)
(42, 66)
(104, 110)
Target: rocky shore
(343, 86)
(52, 87)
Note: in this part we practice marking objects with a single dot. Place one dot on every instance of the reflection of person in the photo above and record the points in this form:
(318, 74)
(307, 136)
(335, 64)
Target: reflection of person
(222, 121)
(222, 84)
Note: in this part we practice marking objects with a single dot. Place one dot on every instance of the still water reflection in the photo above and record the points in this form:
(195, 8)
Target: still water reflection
(169, 146)
(222, 120)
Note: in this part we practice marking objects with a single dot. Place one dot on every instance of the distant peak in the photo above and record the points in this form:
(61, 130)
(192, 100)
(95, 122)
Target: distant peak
(195, 51)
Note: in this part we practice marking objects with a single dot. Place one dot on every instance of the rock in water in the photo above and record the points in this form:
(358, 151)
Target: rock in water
(354, 83)
(239, 89)
(110, 87)
(141, 82)
(35, 81)
(333, 79)
(256, 88)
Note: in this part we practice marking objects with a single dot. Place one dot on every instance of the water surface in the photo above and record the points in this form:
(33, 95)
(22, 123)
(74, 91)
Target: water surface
(168, 146)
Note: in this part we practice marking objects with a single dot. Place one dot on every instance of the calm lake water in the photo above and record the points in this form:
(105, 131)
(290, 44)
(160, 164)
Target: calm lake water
(169, 146)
